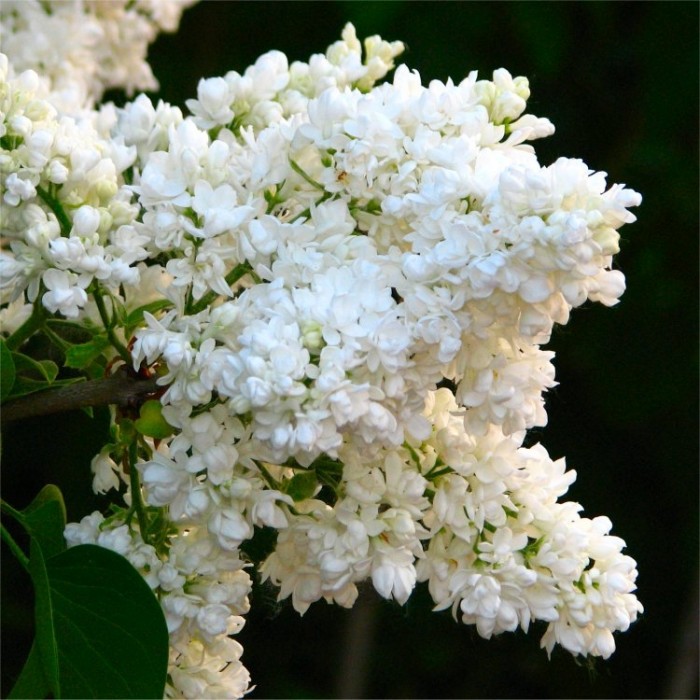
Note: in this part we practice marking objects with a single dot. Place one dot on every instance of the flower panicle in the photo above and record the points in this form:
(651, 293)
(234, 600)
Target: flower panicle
(307, 261)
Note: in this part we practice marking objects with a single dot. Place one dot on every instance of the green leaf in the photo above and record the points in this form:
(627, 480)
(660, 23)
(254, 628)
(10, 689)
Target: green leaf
(151, 421)
(32, 682)
(43, 617)
(46, 369)
(83, 355)
(100, 629)
(34, 375)
(24, 386)
(7, 371)
(135, 317)
(302, 486)
(111, 636)
(71, 331)
(45, 520)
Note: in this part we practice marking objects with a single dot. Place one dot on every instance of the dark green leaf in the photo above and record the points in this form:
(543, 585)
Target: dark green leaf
(32, 682)
(24, 386)
(83, 355)
(46, 369)
(71, 331)
(111, 636)
(100, 631)
(329, 471)
(45, 520)
(45, 640)
(7, 371)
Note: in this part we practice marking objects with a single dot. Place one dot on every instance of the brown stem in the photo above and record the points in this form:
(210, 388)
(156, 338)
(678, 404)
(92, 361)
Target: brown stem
(121, 388)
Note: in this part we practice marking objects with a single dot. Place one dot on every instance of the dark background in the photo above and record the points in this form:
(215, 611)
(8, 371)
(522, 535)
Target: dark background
(620, 83)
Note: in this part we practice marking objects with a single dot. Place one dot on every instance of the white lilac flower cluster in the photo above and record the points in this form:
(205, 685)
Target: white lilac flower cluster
(476, 517)
(330, 255)
(84, 47)
(58, 163)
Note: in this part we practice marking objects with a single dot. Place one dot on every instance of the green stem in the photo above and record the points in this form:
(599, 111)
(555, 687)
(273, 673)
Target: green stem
(53, 204)
(273, 199)
(29, 327)
(297, 169)
(307, 212)
(116, 343)
(233, 276)
(435, 473)
(272, 482)
(14, 547)
(438, 469)
(414, 455)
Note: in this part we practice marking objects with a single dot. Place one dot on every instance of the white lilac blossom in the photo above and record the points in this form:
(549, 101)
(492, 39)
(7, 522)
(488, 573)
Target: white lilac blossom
(65, 230)
(310, 256)
(83, 48)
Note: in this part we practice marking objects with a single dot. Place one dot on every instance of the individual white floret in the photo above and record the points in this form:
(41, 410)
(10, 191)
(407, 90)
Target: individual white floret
(393, 573)
(66, 292)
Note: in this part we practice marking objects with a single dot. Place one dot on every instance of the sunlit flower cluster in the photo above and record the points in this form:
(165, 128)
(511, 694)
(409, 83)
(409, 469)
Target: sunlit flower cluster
(344, 288)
